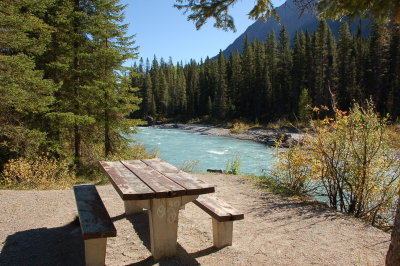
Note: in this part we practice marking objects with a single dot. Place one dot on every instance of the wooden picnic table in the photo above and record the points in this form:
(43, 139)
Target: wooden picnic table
(159, 187)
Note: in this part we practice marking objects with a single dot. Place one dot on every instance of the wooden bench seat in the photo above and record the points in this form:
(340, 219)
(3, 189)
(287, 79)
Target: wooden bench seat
(222, 215)
(96, 224)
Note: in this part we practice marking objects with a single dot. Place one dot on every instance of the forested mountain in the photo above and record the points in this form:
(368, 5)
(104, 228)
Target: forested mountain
(294, 21)
(273, 79)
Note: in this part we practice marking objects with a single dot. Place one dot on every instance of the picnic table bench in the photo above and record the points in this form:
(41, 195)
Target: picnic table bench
(222, 215)
(96, 224)
(163, 189)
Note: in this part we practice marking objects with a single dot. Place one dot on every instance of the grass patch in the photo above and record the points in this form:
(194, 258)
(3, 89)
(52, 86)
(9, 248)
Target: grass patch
(190, 166)
(239, 127)
(270, 184)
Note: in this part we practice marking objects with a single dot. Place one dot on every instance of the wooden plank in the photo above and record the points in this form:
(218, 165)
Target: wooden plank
(161, 166)
(127, 184)
(160, 184)
(212, 209)
(218, 208)
(93, 216)
(193, 185)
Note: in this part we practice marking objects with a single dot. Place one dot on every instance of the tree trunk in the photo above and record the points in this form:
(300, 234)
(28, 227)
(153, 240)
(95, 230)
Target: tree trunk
(107, 138)
(77, 144)
(393, 255)
(76, 81)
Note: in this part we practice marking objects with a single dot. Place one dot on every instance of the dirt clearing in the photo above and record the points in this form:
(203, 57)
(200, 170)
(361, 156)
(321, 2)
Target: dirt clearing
(36, 229)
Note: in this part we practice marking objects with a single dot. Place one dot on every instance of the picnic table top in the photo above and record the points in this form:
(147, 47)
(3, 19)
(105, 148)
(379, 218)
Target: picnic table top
(152, 178)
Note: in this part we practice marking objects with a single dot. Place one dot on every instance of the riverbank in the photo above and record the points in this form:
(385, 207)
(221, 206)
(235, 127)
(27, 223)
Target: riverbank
(275, 231)
(261, 135)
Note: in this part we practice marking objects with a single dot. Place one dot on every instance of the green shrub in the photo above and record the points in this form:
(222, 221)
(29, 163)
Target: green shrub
(233, 165)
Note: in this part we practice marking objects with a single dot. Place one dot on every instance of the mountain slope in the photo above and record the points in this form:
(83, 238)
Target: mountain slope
(290, 17)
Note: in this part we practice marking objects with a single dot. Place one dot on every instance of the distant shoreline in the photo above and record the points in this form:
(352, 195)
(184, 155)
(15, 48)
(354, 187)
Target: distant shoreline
(260, 135)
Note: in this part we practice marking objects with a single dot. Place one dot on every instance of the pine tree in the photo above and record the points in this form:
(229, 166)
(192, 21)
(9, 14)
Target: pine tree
(112, 48)
(299, 67)
(181, 88)
(86, 53)
(394, 73)
(378, 67)
(192, 85)
(220, 92)
(285, 64)
(304, 111)
(209, 106)
(235, 82)
(148, 99)
(163, 94)
(346, 68)
(259, 89)
(272, 61)
(25, 95)
(325, 64)
(248, 70)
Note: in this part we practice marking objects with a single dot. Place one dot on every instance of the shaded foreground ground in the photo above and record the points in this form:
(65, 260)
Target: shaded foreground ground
(35, 230)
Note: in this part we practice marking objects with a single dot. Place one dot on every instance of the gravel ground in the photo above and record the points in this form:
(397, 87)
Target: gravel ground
(36, 229)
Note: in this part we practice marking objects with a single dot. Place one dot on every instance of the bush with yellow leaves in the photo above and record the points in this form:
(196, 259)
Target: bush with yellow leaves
(238, 128)
(352, 161)
(39, 173)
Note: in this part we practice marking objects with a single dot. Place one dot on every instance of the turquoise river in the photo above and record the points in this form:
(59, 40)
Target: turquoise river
(181, 147)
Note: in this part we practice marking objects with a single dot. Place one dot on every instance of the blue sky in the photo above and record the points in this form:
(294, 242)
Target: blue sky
(164, 31)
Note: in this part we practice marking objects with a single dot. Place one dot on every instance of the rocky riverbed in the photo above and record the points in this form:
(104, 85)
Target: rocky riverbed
(289, 135)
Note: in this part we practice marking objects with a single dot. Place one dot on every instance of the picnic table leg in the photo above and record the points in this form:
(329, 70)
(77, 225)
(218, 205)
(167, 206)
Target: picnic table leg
(95, 251)
(135, 206)
(222, 233)
(131, 208)
(163, 217)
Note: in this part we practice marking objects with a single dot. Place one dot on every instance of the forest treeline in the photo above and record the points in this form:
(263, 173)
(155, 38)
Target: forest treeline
(63, 90)
(278, 78)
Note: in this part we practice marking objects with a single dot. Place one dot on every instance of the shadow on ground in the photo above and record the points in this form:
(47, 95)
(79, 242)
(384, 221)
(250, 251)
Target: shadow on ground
(140, 223)
(44, 246)
(64, 246)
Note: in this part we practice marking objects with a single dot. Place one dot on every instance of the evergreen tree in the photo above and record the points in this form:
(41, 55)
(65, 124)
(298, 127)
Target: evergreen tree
(220, 93)
(181, 88)
(299, 67)
(192, 85)
(164, 99)
(209, 106)
(149, 104)
(304, 111)
(248, 70)
(272, 61)
(324, 64)
(25, 94)
(234, 82)
(394, 73)
(378, 67)
(285, 95)
(346, 68)
(259, 89)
